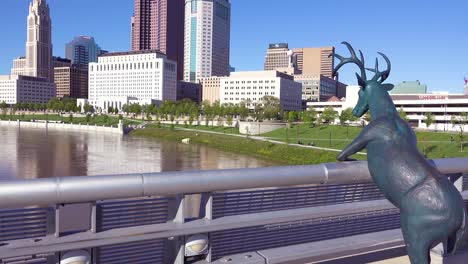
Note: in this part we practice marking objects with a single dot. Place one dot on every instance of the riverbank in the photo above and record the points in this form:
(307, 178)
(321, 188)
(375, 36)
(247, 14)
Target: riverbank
(118, 129)
(279, 153)
(98, 120)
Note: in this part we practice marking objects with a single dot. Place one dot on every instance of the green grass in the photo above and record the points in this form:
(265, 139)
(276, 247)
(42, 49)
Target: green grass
(278, 153)
(433, 144)
(94, 120)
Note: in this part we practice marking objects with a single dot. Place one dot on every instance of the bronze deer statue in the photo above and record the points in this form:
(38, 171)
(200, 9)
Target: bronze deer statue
(432, 209)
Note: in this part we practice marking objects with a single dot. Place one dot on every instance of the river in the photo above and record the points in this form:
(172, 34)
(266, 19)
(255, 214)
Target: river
(38, 153)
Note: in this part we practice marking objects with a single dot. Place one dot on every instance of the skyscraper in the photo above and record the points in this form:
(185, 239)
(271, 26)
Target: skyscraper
(278, 56)
(159, 25)
(82, 50)
(312, 61)
(207, 39)
(39, 41)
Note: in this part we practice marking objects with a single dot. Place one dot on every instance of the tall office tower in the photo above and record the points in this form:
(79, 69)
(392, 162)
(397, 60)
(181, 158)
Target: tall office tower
(207, 39)
(313, 61)
(277, 57)
(159, 25)
(39, 41)
(82, 50)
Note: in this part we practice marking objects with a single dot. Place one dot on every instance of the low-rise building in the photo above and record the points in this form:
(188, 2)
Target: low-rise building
(251, 87)
(144, 77)
(211, 87)
(17, 88)
(319, 87)
(442, 106)
(71, 81)
(409, 87)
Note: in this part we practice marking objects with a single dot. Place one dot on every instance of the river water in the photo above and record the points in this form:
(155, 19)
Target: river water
(38, 153)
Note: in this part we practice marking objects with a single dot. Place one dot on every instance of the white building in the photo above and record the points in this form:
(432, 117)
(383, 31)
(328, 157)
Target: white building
(251, 87)
(143, 77)
(38, 60)
(442, 105)
(207, 39)
(17, 88)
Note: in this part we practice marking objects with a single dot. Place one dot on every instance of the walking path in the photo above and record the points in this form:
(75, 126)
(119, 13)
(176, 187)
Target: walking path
(265, 139)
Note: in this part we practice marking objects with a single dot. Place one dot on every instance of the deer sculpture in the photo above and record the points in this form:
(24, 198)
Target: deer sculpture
(432, 209)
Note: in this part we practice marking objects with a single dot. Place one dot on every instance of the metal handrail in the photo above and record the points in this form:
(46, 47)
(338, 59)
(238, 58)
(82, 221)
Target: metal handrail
(69, 190)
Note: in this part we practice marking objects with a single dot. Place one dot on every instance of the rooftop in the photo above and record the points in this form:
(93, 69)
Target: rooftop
(136, 52)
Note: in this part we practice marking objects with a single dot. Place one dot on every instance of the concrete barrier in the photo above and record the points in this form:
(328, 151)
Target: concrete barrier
(256, 128)
(62, 126)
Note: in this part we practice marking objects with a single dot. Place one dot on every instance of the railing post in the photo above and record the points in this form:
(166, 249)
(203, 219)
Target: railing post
(206, 208)
(175, 250)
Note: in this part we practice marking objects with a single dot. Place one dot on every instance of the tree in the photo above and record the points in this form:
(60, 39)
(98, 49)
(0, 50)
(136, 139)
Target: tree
(329, 115)
(258, 112)
(309, 117)
(125, 109)
(4, 107)
(429, 119)
(346, 115)
(243, 111)
(460, 121)
(87, 108)
(403, 115)
(271, 107)
(292, 117)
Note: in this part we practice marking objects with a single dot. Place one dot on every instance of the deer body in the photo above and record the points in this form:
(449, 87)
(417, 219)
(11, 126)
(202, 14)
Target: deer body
(432, 210)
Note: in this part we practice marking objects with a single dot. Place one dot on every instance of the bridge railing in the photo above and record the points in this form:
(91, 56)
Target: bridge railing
(169, 217)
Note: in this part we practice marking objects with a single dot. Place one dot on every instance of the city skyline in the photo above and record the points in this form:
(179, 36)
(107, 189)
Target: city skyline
(424, 42)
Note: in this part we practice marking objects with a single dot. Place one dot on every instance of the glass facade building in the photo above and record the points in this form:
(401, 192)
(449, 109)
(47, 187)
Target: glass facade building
(82, 50)
(207, 39)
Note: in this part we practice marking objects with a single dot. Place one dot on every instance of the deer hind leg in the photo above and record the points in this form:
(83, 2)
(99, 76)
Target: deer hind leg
(418, 238)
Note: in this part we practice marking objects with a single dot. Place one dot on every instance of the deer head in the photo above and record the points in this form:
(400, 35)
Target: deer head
(369, 88)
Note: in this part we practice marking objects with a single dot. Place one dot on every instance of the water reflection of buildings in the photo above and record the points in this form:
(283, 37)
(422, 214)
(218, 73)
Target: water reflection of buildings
(37, 153)
(42, 153)
(8, 141)
(114, 154)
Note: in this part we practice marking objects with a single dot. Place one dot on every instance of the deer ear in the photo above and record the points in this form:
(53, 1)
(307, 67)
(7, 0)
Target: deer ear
(361, 82)
(388, 86)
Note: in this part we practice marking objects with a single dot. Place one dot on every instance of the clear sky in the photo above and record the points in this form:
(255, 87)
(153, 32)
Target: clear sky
(426, 40)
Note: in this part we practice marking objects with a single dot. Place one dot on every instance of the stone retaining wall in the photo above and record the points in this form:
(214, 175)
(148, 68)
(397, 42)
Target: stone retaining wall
(62, 126)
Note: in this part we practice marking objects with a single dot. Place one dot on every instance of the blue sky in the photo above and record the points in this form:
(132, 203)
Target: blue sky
(426, 40)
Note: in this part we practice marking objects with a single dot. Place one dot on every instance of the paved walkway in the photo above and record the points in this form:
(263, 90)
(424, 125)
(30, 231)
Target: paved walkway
(265, 139)
(400, 260)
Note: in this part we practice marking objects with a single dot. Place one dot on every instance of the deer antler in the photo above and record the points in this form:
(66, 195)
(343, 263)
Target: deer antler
(354, 59)
(378, 74)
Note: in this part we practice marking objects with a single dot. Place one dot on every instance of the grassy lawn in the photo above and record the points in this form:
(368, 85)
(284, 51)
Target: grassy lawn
(281, 154)
(93, 120)
(434, 144)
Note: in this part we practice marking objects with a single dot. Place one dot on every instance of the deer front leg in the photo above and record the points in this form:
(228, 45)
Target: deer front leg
(357, 145)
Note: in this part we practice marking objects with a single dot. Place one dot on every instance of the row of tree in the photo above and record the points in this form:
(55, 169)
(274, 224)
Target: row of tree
(54, 104)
